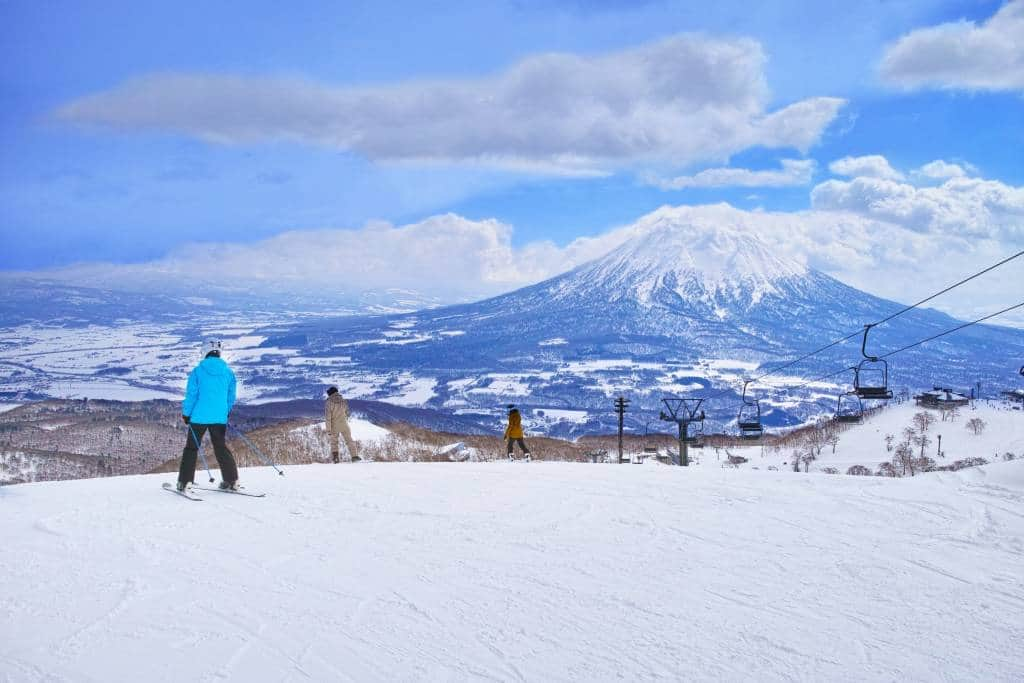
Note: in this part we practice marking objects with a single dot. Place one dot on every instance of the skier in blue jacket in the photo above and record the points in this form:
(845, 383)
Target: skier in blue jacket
(209, 397)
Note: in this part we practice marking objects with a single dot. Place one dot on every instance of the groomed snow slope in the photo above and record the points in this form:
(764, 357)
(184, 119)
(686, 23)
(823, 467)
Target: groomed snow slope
(501, 571)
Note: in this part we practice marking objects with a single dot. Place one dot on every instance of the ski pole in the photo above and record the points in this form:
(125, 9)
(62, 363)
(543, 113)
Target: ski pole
(201, 454)
(255, 449)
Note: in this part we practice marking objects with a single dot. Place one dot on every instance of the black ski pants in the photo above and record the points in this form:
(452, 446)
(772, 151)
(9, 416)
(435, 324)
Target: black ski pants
(194, 437)
(522, 445)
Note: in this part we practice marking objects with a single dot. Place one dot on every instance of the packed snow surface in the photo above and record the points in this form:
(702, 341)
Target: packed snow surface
(512, 571)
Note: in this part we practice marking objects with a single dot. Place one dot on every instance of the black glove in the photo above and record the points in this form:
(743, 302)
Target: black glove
(184, 418)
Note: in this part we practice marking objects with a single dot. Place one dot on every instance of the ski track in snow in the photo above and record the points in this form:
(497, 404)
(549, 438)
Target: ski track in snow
(500, 572)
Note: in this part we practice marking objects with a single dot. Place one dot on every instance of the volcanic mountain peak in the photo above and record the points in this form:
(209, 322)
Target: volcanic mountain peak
(711, 252)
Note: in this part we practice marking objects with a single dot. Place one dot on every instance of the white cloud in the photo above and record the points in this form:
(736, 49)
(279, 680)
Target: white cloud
(446, 257)
(966, 207)
(942, 170)
(869, 166)
(681, 100)
(962, 55)
(890, 238)
(793, 172)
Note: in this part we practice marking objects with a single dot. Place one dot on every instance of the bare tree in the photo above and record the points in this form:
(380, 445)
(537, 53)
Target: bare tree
(807, 458)
(950, 413)
(859, 470)
(904, 458)
(976, 425)
(817, 439)
(922, 440)
(889, 441)
(923, 420)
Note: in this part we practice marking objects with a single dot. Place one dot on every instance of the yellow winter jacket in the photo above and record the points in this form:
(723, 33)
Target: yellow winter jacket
(515, 426)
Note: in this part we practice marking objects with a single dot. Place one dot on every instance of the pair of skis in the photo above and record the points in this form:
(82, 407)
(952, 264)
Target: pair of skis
(191, 496)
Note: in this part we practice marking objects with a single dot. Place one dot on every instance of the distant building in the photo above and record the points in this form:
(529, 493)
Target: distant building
(1017, 395)
(941, 398)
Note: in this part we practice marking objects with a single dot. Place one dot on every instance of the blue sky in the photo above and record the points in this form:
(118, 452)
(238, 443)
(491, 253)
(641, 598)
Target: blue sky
(114, 152)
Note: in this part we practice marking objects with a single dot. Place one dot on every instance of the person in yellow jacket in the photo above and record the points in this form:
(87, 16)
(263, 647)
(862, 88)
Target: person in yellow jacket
(514, 432)
(336, 417)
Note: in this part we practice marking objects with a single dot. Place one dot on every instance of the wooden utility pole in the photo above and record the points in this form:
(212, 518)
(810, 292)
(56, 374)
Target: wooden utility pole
(620, 408)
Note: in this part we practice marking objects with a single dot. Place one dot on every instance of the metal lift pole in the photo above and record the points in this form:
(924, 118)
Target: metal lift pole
(684, 456)
(680, 412)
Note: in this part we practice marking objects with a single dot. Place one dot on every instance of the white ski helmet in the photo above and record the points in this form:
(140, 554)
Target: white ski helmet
(211, 345)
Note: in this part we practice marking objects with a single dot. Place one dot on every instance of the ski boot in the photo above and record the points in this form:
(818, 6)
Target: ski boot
(229, 486)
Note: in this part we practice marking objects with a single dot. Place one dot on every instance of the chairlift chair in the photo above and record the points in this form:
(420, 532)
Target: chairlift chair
(871, 376)
(648, 450)
(849, 408)
(749, 418)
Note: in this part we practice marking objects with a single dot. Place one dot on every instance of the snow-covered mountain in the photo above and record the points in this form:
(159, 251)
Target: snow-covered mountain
(687, 306)
(691, 304)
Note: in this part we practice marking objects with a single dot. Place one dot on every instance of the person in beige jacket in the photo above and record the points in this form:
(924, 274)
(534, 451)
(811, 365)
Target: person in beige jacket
(336, 417)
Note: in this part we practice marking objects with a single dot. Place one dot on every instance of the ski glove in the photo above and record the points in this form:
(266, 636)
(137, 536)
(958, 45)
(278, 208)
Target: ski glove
(184, 418)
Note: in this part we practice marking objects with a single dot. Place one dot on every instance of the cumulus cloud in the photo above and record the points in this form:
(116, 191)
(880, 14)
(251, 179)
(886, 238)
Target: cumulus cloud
(869, 166)
(962, 55)
(942, 170)
(793, 172)
(968, 207)
(888, 237)
(446, 257)
(682, 100)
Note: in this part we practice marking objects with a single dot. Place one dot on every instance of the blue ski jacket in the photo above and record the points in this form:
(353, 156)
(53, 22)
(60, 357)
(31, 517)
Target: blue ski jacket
(210, 393)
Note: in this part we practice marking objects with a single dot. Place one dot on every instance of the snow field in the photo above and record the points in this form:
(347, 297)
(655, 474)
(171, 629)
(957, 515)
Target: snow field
(501, 571)
(864, 444)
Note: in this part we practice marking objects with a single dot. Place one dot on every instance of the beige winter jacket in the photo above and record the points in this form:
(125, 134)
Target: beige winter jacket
(336, 413)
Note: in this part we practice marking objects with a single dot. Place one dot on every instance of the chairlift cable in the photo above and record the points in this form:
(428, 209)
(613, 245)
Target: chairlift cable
(951, 287)
(954, 329)
(887, 319)
(917, 343)
(806, 356)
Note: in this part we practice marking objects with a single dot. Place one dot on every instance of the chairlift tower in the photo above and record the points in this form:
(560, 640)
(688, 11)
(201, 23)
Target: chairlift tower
(683, 411)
